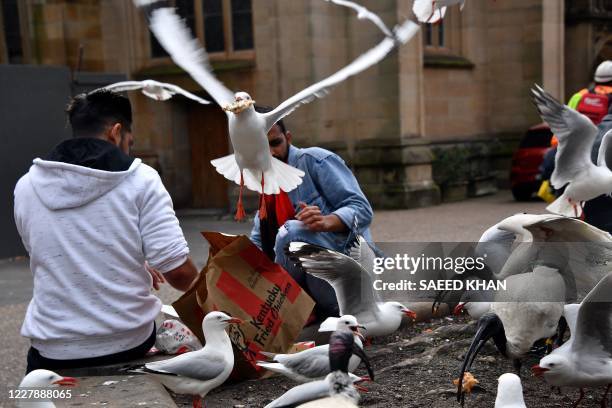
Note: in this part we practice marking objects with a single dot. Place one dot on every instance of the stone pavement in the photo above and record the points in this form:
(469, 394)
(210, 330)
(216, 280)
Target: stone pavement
(461, 221)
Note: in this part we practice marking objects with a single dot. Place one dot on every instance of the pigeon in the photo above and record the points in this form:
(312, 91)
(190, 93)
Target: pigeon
(160, 91)
(43, 379)
(252, 163)
(432, 11)
(574, 169)
(337, 384)
(198, 372)
(509, 392)
(586, 359)
(313, 364)
(351, 276)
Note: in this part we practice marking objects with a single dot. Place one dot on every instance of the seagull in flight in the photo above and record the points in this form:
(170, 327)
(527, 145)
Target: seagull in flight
(252, 164)
(352, 278)
(573, 166)
(364, 13)
(160, 91)
(432, 11)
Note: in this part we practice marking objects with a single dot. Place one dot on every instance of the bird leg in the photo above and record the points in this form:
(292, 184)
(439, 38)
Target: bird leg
(579, 398)
(604, 400)
(197, 401)
(263, 214)
(240, 214)
(433, 10)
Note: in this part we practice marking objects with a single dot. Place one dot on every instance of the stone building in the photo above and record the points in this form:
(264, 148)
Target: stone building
(446, 110)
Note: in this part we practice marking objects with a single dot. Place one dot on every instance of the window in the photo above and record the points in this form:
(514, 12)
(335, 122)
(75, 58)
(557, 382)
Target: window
(12, 31)
(225, 27)
(434, 35)
(185, 9)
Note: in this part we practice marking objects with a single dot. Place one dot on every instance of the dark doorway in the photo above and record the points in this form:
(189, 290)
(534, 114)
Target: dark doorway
(208, 137)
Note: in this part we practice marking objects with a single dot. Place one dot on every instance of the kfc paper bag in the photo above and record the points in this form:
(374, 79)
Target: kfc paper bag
(242, 281)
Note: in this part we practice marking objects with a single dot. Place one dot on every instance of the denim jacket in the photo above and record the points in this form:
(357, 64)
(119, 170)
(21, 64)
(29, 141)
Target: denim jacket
(328, 184)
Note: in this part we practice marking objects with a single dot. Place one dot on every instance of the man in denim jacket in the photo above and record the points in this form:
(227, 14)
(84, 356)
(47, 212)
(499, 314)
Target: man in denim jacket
(327, 203)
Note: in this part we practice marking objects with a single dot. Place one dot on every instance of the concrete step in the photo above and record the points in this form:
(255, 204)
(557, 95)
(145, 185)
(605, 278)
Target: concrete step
(125, 391)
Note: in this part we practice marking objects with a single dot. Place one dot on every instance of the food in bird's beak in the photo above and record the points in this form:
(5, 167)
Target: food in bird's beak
(458, 309)
(469, 381)
(239, 105)
(411, 314)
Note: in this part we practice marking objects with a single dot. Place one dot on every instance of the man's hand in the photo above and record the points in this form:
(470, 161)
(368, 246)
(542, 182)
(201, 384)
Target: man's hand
(311, 216)
(157, 276)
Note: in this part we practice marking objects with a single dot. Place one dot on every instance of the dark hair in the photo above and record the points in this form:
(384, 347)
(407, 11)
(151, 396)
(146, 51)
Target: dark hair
(266, 109)
(91, 113)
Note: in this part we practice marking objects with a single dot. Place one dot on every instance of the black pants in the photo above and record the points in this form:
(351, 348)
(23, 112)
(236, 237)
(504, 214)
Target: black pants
(36, 361)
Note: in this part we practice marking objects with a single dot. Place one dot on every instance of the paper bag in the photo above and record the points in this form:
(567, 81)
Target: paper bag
(240, 279)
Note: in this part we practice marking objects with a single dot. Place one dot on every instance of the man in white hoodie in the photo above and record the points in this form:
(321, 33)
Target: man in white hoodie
(90, 216)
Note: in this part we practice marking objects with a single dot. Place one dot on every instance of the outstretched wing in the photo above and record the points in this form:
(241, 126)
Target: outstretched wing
(186, 52)
(362, 13)
(604, 156)
(403, 33)
(353, 285)
(594, 323)
(576, 134)
(178, 90)
(124, 86)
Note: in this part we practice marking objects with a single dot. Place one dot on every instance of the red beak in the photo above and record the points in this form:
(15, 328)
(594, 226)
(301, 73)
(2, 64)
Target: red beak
(356, 331)
(235, 320)
(411, 314)
(538, 371)
(458, 309)
(67, 381)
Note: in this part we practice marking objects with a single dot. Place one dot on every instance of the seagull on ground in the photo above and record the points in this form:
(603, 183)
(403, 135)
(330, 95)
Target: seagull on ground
(528, 310)
(432, 11)
(585, 360)
(313, 364)
(509, 392)
(520, 241)
(337, 384)
(574, 169)
(252, 164)
(160, 91)
(351, 276)
(37, 379)
(198, 372)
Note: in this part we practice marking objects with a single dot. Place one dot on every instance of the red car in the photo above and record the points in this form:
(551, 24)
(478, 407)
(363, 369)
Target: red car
(526, 161)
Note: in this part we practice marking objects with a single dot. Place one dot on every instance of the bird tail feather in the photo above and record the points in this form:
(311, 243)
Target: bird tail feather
(425, 12)
(227, 167)
(562, 206)
(268, 354)
(280, 176)
(329, 324)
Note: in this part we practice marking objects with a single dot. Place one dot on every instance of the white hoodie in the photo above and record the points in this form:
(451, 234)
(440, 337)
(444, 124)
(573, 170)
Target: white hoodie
(88, 233)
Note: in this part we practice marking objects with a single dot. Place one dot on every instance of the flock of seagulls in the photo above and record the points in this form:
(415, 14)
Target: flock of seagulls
(555, 265)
